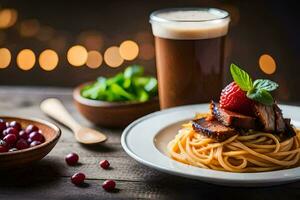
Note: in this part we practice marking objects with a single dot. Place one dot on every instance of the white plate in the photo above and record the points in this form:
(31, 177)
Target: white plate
(146, 140)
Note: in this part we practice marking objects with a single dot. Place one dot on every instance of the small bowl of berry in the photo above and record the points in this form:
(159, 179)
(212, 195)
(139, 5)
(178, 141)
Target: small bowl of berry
(24, 141)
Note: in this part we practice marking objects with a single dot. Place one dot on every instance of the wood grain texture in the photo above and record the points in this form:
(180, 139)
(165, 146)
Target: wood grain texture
(50, 177)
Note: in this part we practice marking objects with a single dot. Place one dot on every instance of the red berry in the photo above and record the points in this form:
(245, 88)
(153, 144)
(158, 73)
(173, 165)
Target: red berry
(78, 178)
(3, 149)
(36, 136)
(104, 164)
(35, 143)
(23, 134)
(10, 139)
(2, 126)
(30, 128)
(21, 144)
(10, 130)
(109, 185)
(72, 159)
(234, 99)
(15, 125)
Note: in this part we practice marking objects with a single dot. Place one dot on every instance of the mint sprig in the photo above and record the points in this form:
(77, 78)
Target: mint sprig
(259, 90)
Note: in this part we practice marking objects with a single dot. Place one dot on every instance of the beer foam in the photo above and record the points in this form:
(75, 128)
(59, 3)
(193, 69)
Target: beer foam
(190, 23)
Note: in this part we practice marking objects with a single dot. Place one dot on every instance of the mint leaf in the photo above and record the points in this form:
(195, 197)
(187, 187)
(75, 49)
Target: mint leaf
(260, 95)
(265, 84)
(241, 78)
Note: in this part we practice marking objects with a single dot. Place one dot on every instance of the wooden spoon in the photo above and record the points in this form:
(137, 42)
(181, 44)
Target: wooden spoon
(55, 109)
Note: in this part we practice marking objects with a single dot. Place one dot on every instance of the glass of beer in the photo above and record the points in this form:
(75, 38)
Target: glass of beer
(189, 46)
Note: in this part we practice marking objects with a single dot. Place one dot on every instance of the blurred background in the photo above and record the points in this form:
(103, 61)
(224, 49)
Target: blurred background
(64, 43)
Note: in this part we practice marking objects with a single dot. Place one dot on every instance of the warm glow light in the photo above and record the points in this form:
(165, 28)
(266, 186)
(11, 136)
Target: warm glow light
(29, 28)
(267, 64)
(129, 50)
(45, 33)
(77, 55)
(26, 59)
(5, 58)
(8, 18)
(112, 57)
(48, 60)
(146, 51)
(92, 40)
(94, 59)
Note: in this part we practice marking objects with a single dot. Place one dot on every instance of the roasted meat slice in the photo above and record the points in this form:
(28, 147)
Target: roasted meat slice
(213, 129)
(266, 116)
(279, 121)
(289, 129)
(229, 118)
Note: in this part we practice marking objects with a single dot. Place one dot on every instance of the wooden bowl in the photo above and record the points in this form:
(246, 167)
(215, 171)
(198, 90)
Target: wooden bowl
(112, 114)
(25, 157)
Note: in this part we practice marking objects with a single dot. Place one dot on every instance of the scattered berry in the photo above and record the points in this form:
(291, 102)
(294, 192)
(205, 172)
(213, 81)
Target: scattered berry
(36, 136)
(104, 164)
(10, 139)
(35, 143)
(13, 149)
(234, 99)
(78, 178)
(23, 134)
(15, 125)
(3, 149)
(109, 185)
(31, 128)
(22, 144)
(72, 159)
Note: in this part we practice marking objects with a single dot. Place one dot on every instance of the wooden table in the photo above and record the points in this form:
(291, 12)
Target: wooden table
(50, 177)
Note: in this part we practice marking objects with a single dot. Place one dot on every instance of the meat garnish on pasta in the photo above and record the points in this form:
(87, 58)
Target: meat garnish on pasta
(244, 132)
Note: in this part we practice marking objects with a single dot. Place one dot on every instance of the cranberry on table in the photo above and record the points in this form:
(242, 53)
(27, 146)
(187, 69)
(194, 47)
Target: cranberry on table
(10, 139)
(104, 164)
(36, 136)
(15, 125)
(78, 178)
(31, 128)
(23, 134)
(22, 144)
(72, 159)
(109, 185)
(35, 143)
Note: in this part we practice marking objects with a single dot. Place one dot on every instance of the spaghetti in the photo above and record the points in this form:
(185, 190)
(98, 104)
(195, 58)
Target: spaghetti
(252, 152)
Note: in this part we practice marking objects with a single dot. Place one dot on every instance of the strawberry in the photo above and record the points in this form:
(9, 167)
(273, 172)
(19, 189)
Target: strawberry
(234, 99)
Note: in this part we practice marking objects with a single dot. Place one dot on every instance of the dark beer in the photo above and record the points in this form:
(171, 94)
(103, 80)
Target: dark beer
(189, 46)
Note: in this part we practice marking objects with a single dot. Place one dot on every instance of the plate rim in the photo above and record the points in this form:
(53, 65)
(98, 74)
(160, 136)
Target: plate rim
(203, 177)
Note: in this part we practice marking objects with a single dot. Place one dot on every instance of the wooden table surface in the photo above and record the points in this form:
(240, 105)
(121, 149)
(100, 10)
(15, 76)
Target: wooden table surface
(50, 177)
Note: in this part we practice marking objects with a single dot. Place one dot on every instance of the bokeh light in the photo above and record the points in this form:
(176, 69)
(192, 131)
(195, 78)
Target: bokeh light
(48, 60)
(5, 58)
(146, 51)
(58, 42)
(26, 59)
(267, 64)
(8, 18)
(77, 55)
(94, 59)
(92, 40)
(29, 28)
(112, 57)
(129, 50)
(45, 33)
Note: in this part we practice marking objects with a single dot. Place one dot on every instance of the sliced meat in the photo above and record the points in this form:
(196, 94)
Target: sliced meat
(265, 115)
(279, 121)
(229, 118)
(213, 129)
(289, 129)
